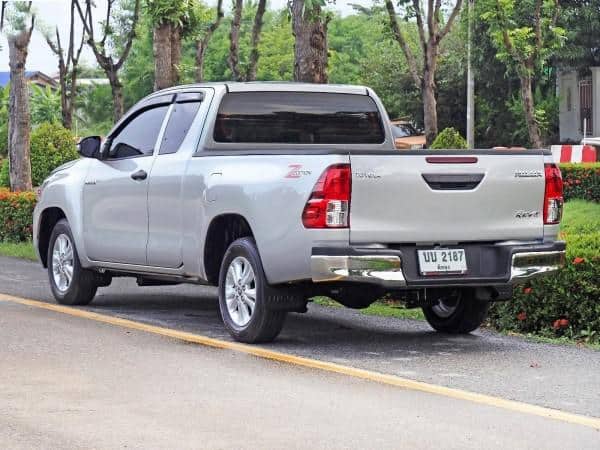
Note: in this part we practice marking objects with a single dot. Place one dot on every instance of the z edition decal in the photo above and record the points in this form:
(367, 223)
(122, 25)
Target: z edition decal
(296, 171)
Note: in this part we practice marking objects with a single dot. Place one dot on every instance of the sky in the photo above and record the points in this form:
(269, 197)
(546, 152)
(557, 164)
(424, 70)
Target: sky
(54, 13)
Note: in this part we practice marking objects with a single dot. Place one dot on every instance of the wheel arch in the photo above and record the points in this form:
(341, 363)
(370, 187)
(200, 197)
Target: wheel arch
(222, 231)
(49, 217)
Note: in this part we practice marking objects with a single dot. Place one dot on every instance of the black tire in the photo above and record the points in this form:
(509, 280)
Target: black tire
(468, 315)
(265, 323)
(83, 286)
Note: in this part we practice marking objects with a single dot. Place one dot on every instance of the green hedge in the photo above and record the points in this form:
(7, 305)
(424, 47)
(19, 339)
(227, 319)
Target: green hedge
(16, 211)
(566, 303)
(51, 146)
(581, 181)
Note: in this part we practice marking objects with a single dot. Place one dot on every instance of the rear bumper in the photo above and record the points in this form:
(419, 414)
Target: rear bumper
(526, 265)
(384, 270)
(489, 264)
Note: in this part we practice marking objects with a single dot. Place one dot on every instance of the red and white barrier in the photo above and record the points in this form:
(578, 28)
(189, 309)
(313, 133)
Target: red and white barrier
(573, 153)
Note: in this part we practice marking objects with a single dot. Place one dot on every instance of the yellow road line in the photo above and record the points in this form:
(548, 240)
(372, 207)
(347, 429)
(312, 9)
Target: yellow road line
(392, 380)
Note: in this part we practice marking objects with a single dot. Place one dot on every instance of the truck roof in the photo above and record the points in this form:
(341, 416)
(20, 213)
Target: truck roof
(276, 86)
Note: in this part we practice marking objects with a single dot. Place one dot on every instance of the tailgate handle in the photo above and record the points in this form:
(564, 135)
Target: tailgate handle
(452, 181)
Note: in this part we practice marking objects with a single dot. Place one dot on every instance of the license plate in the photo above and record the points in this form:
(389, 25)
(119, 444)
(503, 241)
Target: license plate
(442, 261)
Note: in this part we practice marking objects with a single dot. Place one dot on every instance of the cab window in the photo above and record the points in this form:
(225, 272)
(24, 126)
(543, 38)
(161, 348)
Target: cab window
(139, 136)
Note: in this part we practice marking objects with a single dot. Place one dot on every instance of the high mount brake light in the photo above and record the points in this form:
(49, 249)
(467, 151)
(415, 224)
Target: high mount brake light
(329, 203)
(553, 195)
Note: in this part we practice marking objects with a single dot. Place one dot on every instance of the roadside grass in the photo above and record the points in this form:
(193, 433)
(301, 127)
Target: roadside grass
(580, 216)
(23, 250)
(563, 340)
(383, 307)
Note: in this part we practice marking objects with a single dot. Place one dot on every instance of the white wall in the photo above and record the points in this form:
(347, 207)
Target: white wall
(596, 99)
(568, 92)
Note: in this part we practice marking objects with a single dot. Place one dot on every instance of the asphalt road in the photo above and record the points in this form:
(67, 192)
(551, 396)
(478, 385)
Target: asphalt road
(69, 382)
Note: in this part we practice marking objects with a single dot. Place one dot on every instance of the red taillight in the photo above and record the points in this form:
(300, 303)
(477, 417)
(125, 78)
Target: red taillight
(329, 202)
(553, 195)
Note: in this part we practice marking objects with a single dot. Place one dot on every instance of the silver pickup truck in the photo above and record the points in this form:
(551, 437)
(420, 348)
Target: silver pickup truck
(279, 192)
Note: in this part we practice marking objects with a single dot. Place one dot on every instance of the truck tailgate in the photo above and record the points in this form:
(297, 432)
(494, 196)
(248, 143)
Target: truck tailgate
(434, 197)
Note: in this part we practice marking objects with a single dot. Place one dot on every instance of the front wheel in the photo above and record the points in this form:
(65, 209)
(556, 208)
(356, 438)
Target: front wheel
(243, 295)
(71, 284)
(456, 311)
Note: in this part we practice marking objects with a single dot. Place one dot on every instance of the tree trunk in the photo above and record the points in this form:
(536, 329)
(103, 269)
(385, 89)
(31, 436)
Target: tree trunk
(68, 115)
(529, 110)
(19, 119)
(428, 93)
(202, 44)
(310, 47)
(234, 41)
(429, 112)
(256, 30)
(175, 53)
(161, 47)
(117, 95)
(200, 53)
(64, 100)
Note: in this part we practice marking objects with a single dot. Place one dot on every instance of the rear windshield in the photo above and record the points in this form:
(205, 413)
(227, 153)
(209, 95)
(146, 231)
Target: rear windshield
(298, 118)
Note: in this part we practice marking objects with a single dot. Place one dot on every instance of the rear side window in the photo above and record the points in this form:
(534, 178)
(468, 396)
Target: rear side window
(178, 126)
(298, 118)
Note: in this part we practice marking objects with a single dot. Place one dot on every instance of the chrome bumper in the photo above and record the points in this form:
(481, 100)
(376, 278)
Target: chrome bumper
(532, 264)
(386, 270)
(378, 269)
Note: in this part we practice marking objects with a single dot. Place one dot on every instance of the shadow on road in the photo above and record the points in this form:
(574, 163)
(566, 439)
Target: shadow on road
(340, 331)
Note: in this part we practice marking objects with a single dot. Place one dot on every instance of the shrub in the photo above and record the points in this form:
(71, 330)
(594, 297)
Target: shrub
(3, 138)
(16, 211)
(449, 139)
(567, 302)
(4, 174)
(581, 181)
(51, 146)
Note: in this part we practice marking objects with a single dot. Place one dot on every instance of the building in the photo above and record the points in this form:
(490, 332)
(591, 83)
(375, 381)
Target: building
(35, 77)
(579, 107)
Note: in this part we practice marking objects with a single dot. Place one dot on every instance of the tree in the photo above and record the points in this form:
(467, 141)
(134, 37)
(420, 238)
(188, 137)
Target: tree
(234, 40)
(110, 43)
(525, 35)
(67, 67)
(203, 39)
(581, 19)
(233, 60)
(22, 21)
(45, 105)
(169, 18)
(431, 32)
(309, 26)
(255, 40)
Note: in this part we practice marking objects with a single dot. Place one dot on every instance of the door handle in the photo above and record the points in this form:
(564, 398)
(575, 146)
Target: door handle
(139, 175)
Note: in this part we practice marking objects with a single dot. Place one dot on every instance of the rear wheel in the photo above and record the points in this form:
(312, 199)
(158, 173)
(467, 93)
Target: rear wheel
(243, 295)
(456, 311)
(71, 284)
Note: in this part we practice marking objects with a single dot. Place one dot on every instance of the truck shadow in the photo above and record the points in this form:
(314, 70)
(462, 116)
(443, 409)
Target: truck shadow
(323, 330)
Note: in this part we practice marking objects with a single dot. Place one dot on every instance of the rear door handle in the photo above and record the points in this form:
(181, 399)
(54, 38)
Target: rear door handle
(139, 175)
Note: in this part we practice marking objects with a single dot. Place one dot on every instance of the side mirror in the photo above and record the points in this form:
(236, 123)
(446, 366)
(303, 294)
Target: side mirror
(89, 147)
